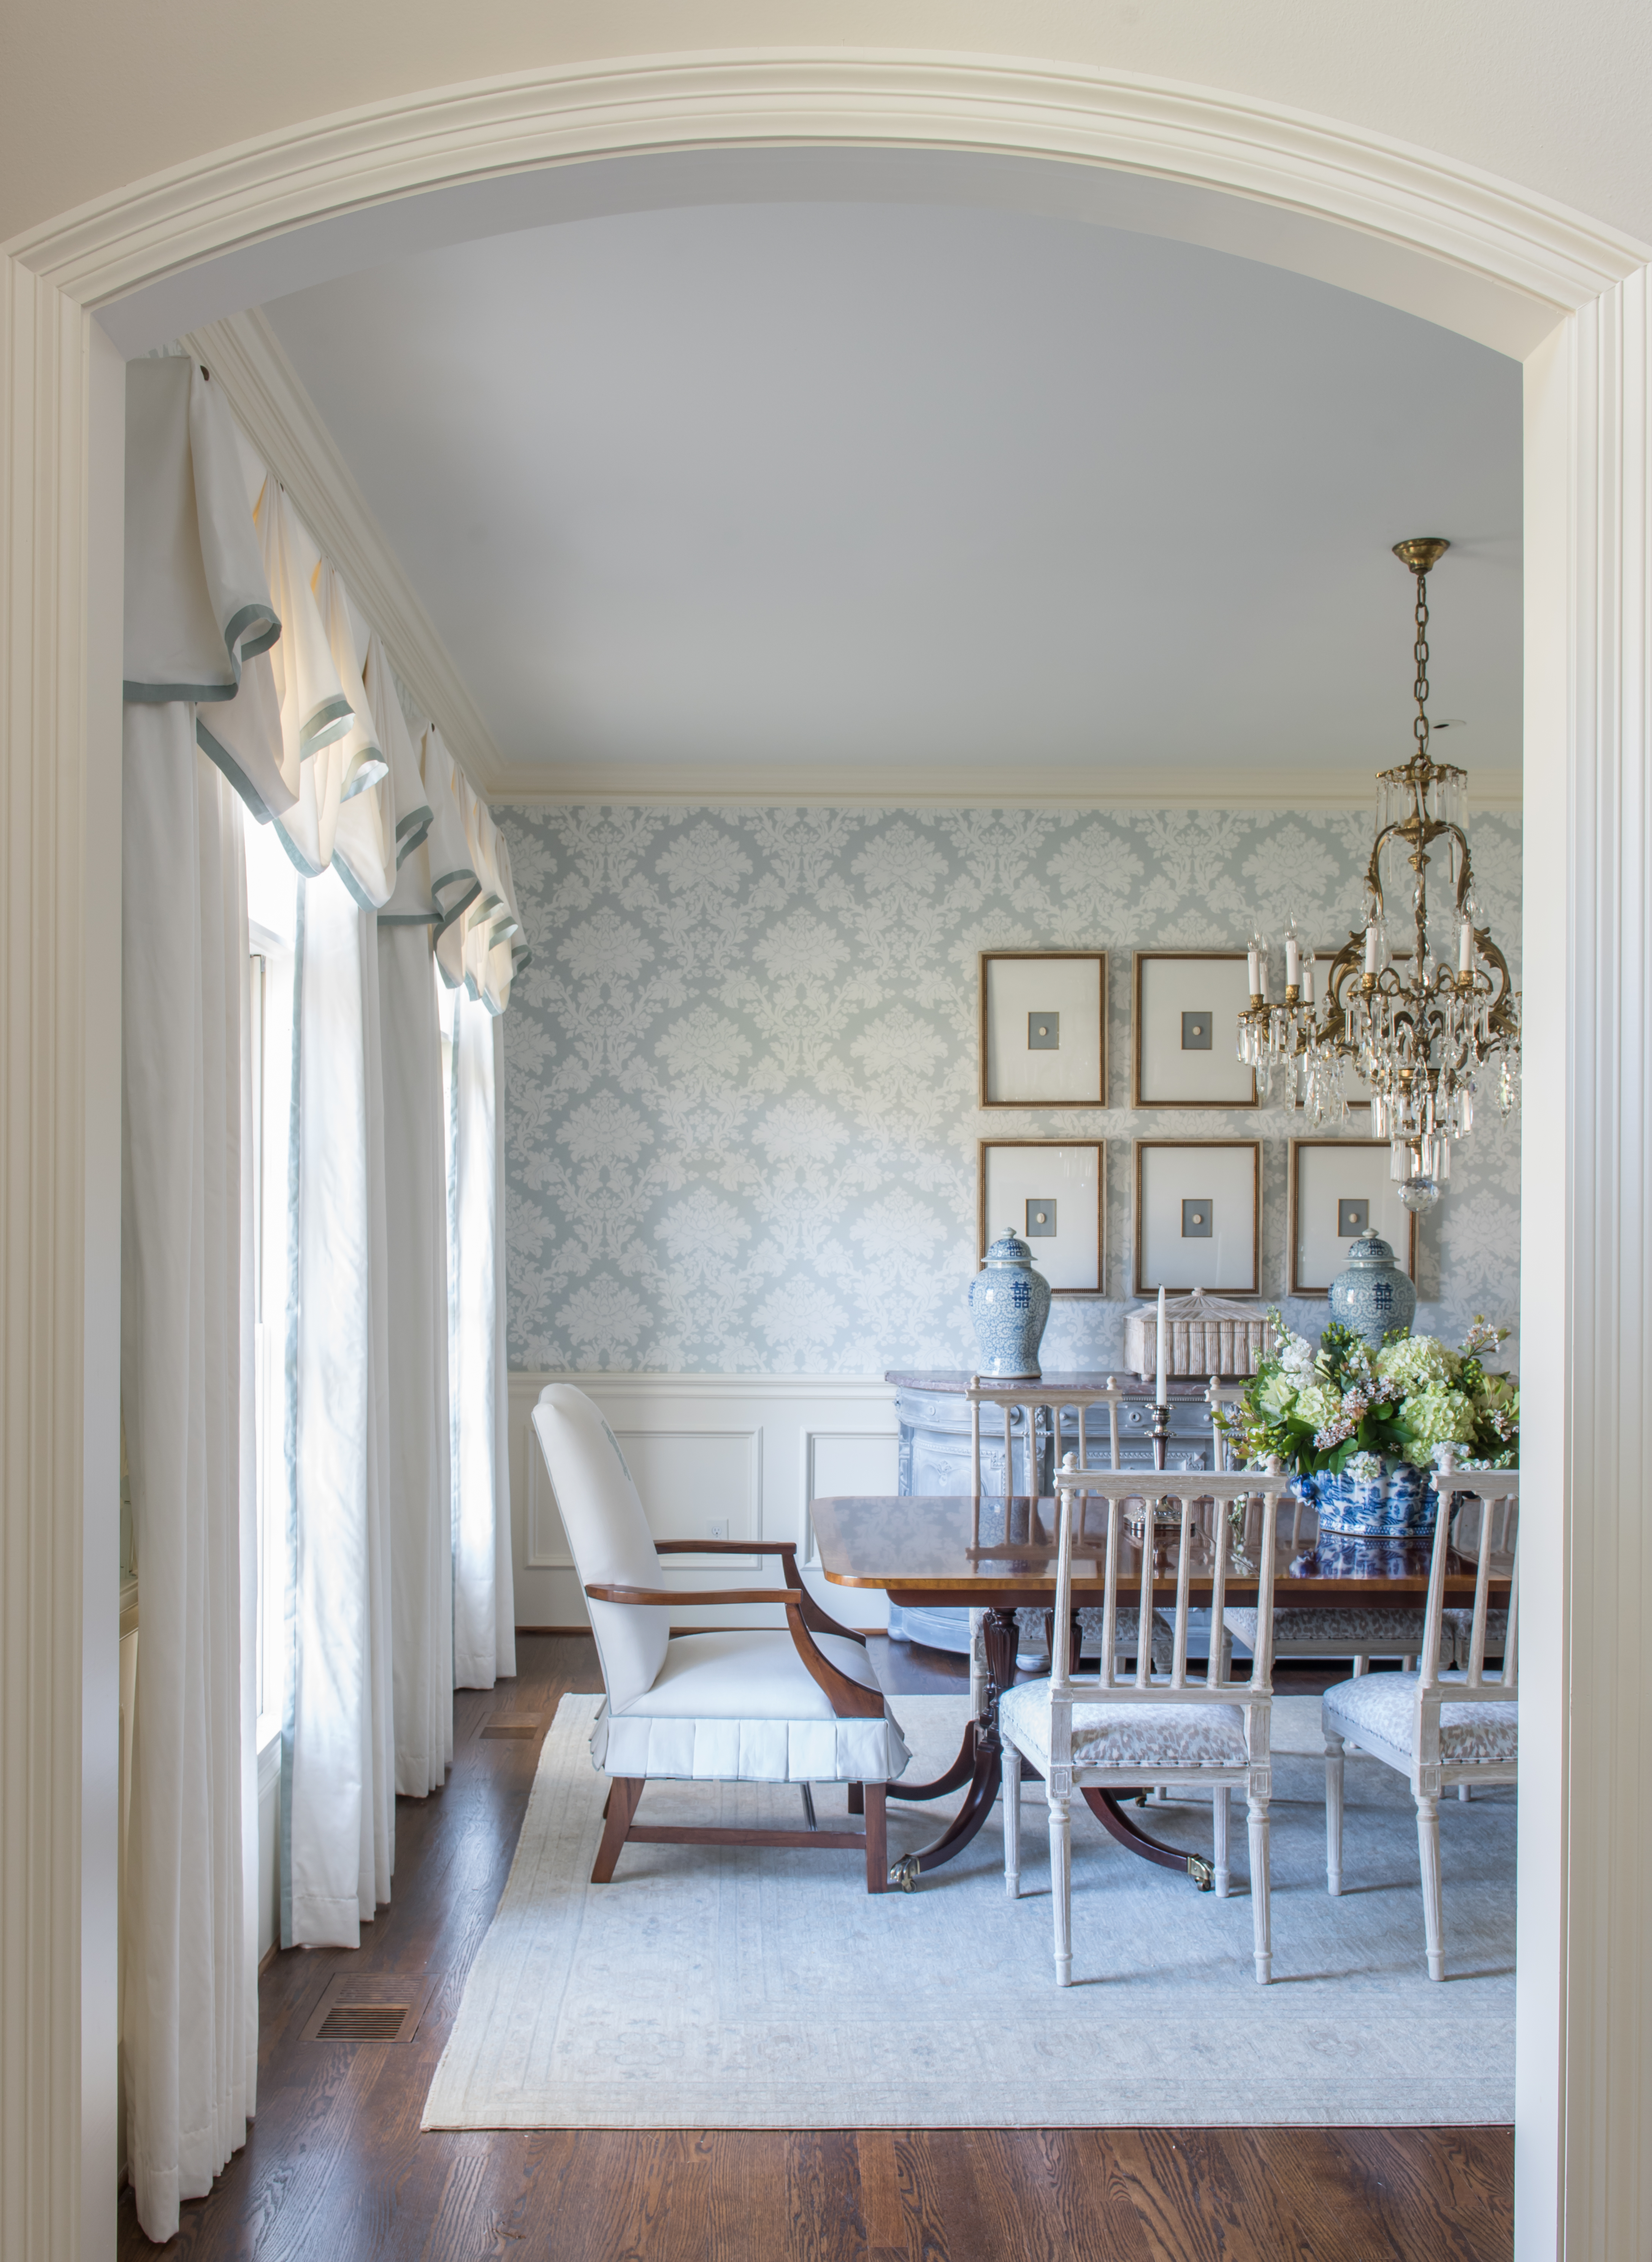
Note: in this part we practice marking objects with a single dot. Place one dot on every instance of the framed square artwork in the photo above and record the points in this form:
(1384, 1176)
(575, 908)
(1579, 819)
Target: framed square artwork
(1052, 1192)
(1198, 1216)
(1044, 1028)
(1188, 1005)
(1341, 1188)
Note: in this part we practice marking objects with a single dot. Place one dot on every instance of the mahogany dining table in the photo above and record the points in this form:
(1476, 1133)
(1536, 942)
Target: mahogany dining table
(951, 1549)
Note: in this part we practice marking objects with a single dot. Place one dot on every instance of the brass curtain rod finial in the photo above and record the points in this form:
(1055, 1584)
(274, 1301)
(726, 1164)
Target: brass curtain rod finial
(1423, 553)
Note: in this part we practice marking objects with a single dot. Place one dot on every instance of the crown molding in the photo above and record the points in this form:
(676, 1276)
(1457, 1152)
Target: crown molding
(278, 416)
(1541, 258)
(894, 786)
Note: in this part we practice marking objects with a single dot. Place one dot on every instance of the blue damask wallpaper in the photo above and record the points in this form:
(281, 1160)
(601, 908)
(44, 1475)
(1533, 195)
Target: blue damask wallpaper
(741, 1102)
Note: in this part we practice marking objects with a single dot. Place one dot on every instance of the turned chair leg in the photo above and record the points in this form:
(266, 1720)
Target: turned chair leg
(1262, 1914)
(876, 1794)
(624, 1794)
(1333, 1812)
(1362, 1664)
(1465, 1792)
(1011, 1799)
(1061, 1884)
(1218, 1831)
(1428, 1851)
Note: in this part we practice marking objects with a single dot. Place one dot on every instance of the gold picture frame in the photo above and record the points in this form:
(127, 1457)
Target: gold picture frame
(1369, 1180)
(1168, 1228)
(1203, 991)
(1018, 1067)
(1063, 1163)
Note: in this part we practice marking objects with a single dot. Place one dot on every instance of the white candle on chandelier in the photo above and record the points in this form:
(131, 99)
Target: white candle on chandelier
(1307, 981)
(1370, 948)
(1465, 948)
(1254, 958)
(1159, 1397)
(1293, 960)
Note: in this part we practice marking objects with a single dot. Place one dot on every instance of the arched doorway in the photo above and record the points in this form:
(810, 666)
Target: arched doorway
(1569, 300)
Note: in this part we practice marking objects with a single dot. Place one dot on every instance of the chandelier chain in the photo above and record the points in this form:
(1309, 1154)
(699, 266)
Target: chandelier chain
(1420, 651)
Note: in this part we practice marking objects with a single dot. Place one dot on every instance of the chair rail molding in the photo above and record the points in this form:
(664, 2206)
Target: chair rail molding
(1399, 224)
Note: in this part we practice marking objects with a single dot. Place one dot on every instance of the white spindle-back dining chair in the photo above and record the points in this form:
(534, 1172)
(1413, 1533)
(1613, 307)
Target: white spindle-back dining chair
(1002, 1401)
(1433, 1726)
(1105, 1731)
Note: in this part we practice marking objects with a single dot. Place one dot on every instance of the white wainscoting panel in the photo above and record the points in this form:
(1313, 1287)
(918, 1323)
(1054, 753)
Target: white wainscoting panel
(744, 1452)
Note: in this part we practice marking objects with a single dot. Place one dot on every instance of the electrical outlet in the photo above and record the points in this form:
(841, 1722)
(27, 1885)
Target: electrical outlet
(718, 1531)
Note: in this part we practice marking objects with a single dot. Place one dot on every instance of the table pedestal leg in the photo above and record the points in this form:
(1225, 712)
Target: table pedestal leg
(978, 1762)
(1104, 1805)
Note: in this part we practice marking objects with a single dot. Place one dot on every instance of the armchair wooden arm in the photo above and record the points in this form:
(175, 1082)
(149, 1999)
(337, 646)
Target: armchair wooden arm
(725, 1546)
(814, 1616)
(655, 1597)
(848, 1699)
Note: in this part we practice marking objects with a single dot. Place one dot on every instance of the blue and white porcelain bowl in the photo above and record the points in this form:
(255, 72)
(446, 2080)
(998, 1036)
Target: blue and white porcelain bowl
(1010, 1302)
(1384, 1499)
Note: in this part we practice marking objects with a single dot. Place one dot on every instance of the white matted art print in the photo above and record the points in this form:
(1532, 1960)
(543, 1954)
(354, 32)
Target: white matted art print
(1339, 1189)
(1050, 1191)
(1188, 1005)
(1198, 1216)
(1043, 1028)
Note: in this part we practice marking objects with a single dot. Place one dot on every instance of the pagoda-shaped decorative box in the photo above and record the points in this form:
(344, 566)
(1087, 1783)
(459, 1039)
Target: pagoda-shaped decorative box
(1206, 1335)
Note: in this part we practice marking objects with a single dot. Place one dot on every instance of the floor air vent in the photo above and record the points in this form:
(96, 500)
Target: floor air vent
(517, 1727)
(368, 2009)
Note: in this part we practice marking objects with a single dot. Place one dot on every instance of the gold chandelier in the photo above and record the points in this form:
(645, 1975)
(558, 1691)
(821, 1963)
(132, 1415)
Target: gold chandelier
(1420, 1016)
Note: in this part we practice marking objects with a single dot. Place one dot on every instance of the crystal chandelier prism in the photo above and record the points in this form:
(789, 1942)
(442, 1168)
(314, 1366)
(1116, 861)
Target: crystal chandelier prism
(1418, 1004)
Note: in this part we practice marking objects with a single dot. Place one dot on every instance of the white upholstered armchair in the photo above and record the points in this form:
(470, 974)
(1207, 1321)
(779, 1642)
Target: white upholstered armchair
(795, 1705)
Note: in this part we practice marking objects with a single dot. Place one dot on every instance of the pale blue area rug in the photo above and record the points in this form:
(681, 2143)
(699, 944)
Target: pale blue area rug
(734, 1988)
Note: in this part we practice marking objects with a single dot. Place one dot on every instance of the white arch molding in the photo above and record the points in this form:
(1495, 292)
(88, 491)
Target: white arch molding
(1475, 253)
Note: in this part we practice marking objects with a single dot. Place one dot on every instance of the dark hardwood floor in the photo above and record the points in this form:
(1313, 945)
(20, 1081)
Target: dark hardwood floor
(335, 2168)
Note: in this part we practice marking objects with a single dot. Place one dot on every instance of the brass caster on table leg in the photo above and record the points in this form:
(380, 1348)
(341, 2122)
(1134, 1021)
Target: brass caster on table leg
(904, 1875)
(1201, 1874)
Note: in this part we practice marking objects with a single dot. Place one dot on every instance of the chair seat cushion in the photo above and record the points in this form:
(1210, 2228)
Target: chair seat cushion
(1355, 1633)
(1126, 1735)
(1384, 1706)
(739, 1706)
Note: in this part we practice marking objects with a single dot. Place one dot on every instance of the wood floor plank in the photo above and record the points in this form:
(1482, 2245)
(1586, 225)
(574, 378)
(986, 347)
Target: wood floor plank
(883, 2218)
(337, 2168)
(1187, 2199)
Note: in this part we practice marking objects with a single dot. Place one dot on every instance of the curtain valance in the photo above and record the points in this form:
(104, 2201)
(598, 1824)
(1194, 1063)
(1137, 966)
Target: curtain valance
(230, 609)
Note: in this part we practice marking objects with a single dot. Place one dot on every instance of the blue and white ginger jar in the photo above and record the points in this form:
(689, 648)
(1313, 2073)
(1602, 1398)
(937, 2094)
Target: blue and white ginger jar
(1374, 1295)
(1010, 1302)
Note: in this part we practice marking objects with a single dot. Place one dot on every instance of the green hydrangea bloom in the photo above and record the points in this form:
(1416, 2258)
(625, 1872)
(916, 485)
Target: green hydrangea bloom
(1276, 1397)
(1418, 1362)
(1318, 1404)
(1438, 1416)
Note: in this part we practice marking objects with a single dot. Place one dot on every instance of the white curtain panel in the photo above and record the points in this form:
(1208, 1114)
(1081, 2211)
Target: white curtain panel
(190, 2015)
(338, 1765)
(484, 1602)
(416, 1199)
(198, 617)
(421, 1441)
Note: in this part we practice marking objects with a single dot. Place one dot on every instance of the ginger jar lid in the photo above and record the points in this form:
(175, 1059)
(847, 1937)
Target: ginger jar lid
(1009, 1248)
(1370, 1252)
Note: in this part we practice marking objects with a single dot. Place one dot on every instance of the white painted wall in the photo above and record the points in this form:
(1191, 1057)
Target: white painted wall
(746, 1452)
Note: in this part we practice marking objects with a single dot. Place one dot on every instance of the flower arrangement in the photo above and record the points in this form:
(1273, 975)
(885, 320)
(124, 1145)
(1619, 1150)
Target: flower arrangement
(1344, 1409)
